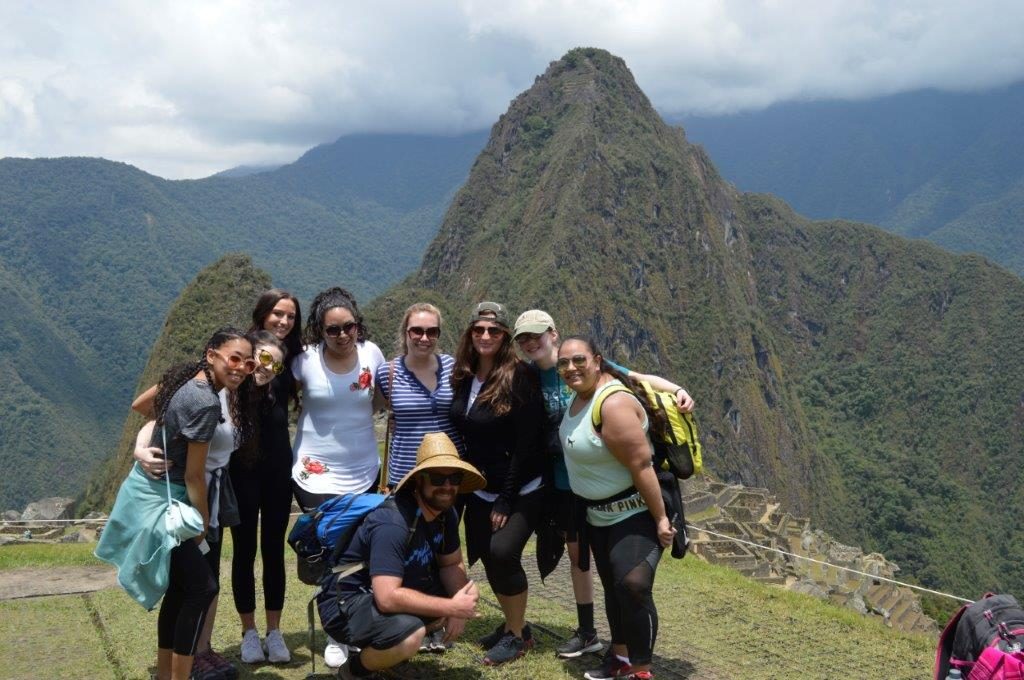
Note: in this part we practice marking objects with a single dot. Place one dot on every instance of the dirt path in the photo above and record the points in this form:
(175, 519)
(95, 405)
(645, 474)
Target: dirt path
(38, 581)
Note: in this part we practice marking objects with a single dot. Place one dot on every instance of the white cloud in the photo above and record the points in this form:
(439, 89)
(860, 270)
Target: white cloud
(186, 88)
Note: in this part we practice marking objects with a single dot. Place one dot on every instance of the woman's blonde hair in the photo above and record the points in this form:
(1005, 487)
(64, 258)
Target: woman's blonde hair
(402, 346)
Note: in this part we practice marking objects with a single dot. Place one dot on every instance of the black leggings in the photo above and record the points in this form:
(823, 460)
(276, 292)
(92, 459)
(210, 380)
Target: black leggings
(310, 501)
(626, 555)
(191, 588)
(264, 500)
(502, 551)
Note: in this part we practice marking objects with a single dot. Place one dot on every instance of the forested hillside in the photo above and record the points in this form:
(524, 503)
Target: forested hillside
(869, 380)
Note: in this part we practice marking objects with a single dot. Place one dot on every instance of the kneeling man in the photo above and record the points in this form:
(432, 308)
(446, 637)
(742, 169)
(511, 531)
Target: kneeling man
(415, 581)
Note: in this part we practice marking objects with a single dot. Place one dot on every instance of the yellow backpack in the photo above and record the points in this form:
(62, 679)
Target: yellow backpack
(680, 450)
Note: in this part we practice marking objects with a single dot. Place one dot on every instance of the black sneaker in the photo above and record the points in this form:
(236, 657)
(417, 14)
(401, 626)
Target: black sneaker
(491, 639)
(509, 648)
(611, 667)
(203, 668)
(582, 642)
(434, 642)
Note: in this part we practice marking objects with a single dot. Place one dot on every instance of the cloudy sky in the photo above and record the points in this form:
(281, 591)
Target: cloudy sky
(184, 89)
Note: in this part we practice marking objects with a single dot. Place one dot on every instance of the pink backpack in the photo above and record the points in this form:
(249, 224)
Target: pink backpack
(995, 664)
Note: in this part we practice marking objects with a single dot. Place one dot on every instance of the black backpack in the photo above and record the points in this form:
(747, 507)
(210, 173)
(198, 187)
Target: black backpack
(994, 620)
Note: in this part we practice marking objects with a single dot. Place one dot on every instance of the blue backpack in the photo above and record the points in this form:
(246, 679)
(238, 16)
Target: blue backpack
(321, 535)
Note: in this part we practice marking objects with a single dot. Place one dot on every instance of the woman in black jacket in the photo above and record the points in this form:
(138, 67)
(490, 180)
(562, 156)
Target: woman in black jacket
(498, 410)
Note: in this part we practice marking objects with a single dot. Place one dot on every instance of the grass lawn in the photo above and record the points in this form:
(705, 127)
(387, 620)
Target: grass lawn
(714, 623)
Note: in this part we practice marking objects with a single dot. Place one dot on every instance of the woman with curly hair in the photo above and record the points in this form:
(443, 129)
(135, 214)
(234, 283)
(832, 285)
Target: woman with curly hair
(188, 411)
(263, 484)
(497, 408)
(335, 446)
(627, 525)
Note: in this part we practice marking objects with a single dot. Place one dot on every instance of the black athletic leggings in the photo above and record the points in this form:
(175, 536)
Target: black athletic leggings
(264, 500)
(502, 551)
(192, 587)
(626, 555)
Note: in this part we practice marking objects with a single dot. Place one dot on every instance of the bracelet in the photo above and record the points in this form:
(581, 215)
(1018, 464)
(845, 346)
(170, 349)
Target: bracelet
(678, 390)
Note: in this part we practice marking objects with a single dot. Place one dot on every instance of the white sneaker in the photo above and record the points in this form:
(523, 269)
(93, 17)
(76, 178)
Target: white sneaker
(335, 653)
(277, 650)
(252, 650)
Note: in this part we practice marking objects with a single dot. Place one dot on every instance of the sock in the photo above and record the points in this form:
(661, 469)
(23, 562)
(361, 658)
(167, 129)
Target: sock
(623, 659)
(585, 614)
(356, 667)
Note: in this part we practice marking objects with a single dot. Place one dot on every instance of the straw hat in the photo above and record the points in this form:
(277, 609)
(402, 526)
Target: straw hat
(437, 451)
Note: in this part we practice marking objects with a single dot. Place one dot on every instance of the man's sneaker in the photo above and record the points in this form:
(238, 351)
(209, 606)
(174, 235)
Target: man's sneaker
(492, 639)
(204, 669)
(335, 653)
(611, 667)
(582, 642)
(277, 650)
(226, 668)
(509, 648)
(252, 650)
(434, 642)
(640, 675)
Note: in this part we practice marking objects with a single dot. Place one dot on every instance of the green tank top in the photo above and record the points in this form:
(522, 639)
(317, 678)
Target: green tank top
(595, 473)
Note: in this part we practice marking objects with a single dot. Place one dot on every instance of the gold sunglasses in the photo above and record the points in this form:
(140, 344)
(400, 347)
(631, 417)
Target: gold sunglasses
(267, 361)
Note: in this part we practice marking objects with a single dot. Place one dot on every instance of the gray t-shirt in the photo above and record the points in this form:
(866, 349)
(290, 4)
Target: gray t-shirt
(192, 415)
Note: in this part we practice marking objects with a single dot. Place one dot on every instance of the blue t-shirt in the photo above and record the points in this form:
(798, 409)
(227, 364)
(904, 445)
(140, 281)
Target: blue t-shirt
(556, 395)
(383, 542)
(417, 412)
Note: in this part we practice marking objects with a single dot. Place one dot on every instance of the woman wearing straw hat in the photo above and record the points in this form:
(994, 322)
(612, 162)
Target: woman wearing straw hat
(497, 408)
(416, 580)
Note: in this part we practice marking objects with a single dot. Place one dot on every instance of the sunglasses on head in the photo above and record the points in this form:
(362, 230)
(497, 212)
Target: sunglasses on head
(266, 360)
(334, 331)
(493, 331)
(440, 479)
(416, 332)
(578, 361)
(236, 363)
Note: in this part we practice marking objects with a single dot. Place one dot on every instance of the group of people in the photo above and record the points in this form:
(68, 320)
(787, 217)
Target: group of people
(499, 436)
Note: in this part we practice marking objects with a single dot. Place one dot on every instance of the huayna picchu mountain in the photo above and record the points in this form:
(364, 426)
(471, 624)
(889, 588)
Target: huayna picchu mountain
(867, 380)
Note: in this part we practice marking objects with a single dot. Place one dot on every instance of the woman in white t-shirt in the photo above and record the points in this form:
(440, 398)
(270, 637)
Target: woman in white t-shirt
(335, 447)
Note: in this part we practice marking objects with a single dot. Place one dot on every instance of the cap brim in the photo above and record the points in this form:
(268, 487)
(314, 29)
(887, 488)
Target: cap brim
(471, 481)
(530, 328)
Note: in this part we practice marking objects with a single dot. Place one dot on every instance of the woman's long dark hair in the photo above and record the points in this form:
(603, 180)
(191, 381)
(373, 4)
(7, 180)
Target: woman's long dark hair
(499, 390)
(324, 302)
(658, 424)
(266, 304)
(240, 401)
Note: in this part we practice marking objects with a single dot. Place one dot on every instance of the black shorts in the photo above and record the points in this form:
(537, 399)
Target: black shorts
(357, 622)
(563, 504)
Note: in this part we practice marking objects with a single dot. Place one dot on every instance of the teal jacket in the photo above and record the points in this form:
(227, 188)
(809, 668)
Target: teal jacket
(134, 539)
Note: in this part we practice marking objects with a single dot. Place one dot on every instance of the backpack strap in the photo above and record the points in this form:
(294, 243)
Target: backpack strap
(595, 413)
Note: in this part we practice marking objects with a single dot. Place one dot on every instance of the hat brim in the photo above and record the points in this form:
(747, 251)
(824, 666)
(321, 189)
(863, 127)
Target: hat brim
(531, 328)
(472, 480)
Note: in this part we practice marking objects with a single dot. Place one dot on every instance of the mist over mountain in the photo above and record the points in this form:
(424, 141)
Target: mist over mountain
(868, 380)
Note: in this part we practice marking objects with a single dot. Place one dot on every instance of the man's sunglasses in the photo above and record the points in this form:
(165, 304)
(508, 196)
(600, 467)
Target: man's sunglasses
(440, 479)
(417, 332)
(266, 360)
(578, 361)
(335, 330)
(493, 331)
(236, 363)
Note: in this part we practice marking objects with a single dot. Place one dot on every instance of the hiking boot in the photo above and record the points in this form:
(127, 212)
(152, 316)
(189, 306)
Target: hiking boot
(582, 642)
(226, 668)
(335, 653)
(204, 669)
(492, 639)
(611, 667)
(509, 648)
(252, 650)
(434, 642)
(277, 650)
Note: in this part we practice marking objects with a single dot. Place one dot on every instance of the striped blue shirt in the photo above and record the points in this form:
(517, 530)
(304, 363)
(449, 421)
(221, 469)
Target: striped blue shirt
(417, 412)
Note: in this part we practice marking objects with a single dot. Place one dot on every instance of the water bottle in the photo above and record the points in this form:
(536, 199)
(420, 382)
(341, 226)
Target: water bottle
(955, 674)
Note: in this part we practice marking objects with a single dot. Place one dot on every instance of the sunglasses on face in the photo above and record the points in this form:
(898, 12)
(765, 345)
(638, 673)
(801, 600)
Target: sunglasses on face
(492, 331)
(266, 360)
(440, 479)
(417, 332)
(237, 363)
(577, 361)
(524, 338)
(334, 331)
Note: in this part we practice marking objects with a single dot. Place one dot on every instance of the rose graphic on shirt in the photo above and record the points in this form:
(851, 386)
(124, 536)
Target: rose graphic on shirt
(364, 382)
(312, 467)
